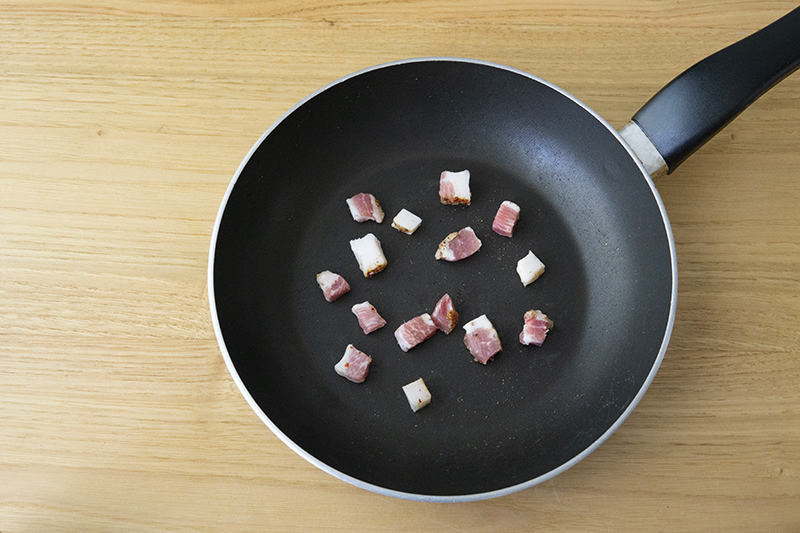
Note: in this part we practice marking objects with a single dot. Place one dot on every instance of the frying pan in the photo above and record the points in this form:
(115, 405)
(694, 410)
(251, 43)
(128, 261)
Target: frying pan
(589, 210)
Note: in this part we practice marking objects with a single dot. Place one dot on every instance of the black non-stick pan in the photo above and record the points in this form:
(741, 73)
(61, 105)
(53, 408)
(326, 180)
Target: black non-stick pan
(589, 211)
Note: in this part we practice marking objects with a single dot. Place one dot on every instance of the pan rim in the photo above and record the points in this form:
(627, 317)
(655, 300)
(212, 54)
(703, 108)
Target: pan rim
(427, 497)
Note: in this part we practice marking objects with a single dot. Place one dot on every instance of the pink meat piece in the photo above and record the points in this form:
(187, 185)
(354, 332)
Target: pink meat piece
(535, 329)
(413, 332)
(368, 317)
(364, 206)
(332, 285)
(354, 365)
(444, 314)
(457, 246)
(481, 339)
(446, 189)
(505, 219)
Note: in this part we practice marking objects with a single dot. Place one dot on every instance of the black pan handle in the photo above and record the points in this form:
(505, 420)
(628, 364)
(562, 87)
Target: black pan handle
(697, 104)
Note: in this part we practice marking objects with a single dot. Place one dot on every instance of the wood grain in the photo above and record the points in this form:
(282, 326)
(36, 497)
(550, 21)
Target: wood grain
(122, 124)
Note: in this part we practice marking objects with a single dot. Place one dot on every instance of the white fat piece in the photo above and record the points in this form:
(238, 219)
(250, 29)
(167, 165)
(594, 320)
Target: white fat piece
(511, 205)
(369, 254)
(482, 322)
(406, 221)
(341, 367)
(418, 394)
(325, 279)
(444, 251)
(460, 182)
(529, 268)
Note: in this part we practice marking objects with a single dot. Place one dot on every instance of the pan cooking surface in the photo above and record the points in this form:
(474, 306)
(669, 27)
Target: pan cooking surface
(586, 211)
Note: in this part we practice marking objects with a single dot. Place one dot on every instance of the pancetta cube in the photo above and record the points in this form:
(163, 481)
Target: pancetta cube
(535, 328)
(505, 219)
(444, 314)
(406, 221)
(368, 317)
(332, 285)
(529, 268)
(413, 332)
(458, 245)
(364, 206)
(481, 339)
(369, 254)
(454, 188)
(417, 394)
(354, 365)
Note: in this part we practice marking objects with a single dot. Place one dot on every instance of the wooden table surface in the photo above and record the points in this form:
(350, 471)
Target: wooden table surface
(122, 124)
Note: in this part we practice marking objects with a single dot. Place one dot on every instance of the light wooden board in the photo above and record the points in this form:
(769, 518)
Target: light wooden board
(122, 124)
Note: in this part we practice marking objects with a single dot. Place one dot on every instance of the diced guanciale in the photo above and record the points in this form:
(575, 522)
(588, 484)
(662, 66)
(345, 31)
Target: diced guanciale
(459, 245)
(454, 188)
(368, 317)
(535, 328)
(333, 285)
(413, 332)
(481, 339)
(444, 314)
(363, 206)
(505, 219)
(369, 254)
(354, 365)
